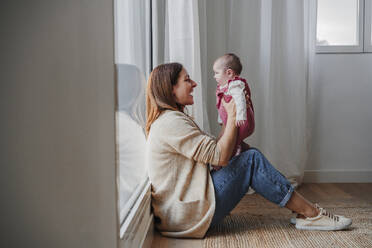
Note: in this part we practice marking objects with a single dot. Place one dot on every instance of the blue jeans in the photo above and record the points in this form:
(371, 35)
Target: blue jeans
(250, 168)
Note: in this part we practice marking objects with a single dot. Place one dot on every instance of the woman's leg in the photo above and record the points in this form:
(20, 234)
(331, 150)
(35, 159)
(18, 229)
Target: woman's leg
(300, 205)
(251, 168)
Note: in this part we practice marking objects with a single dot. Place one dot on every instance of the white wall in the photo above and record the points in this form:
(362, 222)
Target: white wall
(341, 118)
(57, 146)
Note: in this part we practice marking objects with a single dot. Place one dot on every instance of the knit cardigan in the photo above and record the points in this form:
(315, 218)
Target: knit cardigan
(182, 190)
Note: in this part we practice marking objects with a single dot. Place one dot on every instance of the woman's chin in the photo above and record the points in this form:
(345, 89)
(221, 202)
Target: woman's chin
(191, 101)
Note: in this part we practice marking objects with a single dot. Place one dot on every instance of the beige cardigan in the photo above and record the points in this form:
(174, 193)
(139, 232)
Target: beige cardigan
(183, 198)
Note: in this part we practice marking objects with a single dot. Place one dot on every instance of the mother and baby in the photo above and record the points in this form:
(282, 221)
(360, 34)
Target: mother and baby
(187, 197)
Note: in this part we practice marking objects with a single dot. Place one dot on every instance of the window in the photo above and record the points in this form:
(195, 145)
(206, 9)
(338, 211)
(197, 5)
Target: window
(343, 26)
(368, 26)
(132, 59)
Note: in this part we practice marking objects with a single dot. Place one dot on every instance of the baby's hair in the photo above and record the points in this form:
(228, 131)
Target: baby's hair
(231, 61)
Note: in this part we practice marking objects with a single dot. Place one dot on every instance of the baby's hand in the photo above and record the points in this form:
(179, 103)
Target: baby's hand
(240, 123)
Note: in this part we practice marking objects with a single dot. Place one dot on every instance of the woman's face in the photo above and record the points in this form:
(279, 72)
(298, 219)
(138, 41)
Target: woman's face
(183, 89)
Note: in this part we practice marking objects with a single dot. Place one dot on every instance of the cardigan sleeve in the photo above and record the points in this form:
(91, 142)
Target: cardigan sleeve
(183, 136)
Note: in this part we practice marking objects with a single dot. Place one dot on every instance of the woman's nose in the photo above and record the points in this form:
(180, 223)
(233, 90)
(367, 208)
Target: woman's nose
(194, 84)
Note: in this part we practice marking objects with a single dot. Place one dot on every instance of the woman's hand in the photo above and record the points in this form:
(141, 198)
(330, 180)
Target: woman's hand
(228, 139)
(240, 123)
(230, 109)
(247, 99)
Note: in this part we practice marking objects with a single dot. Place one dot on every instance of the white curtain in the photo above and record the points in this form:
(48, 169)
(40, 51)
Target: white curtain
(176, 38)
(132, 34)
(269, 36)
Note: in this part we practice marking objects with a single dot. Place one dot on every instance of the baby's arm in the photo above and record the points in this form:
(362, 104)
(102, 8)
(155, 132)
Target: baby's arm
(236, 90)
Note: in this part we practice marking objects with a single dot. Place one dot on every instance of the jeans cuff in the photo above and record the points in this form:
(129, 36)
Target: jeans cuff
(287, 197)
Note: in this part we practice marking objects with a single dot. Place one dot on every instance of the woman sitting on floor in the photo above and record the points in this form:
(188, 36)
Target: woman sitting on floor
(186, 197)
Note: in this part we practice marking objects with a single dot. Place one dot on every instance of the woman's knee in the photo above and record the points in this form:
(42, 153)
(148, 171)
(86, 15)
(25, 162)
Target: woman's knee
(248, 157)
(254, 157)
(252, 152)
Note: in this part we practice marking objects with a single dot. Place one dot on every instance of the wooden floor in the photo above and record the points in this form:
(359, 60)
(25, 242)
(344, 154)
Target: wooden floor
(314, 192)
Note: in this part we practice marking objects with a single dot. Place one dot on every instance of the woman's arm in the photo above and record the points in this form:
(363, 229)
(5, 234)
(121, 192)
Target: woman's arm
(227, 141)
(221, 132)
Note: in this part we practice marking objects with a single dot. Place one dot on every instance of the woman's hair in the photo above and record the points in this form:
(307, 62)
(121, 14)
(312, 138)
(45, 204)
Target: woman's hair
(159, 95)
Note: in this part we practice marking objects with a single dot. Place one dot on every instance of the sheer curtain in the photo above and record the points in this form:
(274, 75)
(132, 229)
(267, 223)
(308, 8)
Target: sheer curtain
(176, 38)
(271, 39)
(132, 34)
(269, 36)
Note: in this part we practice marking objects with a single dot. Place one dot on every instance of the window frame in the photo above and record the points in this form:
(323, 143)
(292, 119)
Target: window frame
(338, 48)
(367, 26)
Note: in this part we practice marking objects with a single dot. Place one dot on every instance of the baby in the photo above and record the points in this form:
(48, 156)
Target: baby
(230, 85)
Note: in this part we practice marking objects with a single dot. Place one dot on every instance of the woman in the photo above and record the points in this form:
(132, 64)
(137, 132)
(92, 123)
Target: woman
(186, 198)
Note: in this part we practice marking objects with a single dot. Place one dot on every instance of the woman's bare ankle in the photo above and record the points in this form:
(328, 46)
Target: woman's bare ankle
(300, 216)
(311, 212)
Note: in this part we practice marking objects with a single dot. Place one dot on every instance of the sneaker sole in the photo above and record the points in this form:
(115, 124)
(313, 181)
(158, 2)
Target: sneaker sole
(323, 228)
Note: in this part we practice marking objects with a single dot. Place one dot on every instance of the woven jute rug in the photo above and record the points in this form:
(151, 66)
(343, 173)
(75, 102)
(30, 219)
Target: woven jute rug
(258, 223)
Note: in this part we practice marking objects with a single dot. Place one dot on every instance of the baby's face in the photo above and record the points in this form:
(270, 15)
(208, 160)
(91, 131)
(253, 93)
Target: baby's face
(221, 75)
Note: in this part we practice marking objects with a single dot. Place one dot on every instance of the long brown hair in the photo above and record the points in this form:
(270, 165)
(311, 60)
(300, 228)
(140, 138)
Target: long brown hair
(159, 95)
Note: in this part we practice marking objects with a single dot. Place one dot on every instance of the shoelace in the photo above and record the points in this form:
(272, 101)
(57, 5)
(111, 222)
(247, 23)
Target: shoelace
(326, 213)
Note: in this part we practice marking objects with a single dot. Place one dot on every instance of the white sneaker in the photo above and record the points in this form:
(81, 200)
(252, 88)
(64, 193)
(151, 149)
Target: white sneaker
(292, 220)
(325, 221)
